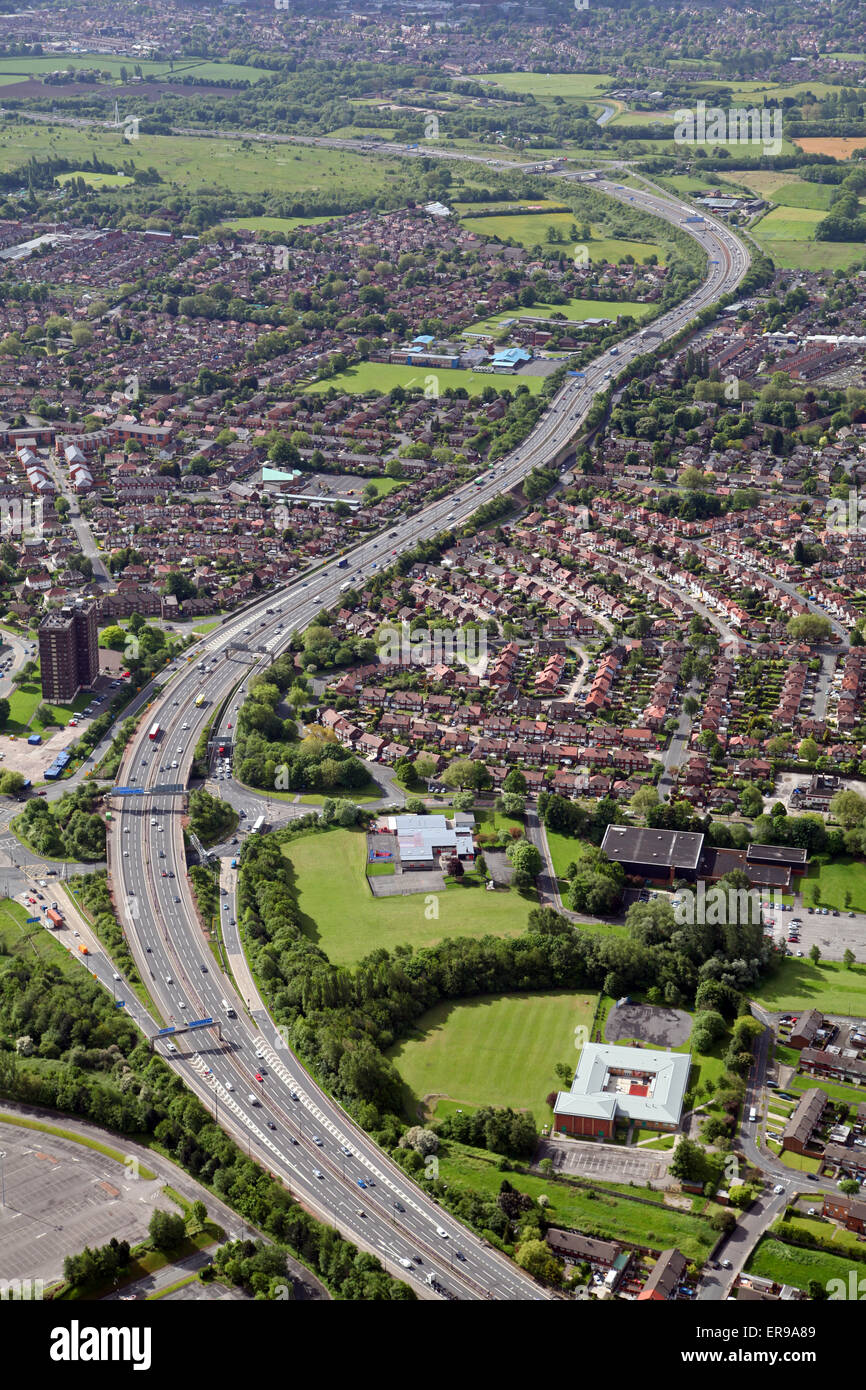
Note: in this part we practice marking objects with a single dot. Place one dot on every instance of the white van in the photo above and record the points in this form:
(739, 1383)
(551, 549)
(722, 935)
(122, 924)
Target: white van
(253, 1100)
(230, 1013)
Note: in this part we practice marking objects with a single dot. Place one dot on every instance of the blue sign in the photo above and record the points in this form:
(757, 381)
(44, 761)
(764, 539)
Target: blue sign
(580, 375)
(164, 1030)
(127, 791)
(201, 1023)
(34, 919)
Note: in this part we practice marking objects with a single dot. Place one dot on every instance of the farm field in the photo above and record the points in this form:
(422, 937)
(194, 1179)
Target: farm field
(788, 224)
(576, 311)
(787, 233)
(384, 376)
(837, 146)
(593, 1212)
(796, 1265)
(494, 1050)
(800, 984)
(341, 915)
(191, 162)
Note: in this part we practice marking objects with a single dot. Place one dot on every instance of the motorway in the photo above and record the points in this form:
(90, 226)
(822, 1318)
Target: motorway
(293, 1127)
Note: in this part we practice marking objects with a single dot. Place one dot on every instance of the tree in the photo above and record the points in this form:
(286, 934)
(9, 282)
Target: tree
(526, 859)
(849, 808)
(688, 1162)
(536, 1258)
(811, 628)
(166, 1229)
(808, 750)
(113, 637)
(848, 958)
(4, 711)
(815, 953)
(643, 800)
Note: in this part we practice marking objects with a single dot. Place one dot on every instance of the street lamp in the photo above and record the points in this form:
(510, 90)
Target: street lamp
(3, 1178)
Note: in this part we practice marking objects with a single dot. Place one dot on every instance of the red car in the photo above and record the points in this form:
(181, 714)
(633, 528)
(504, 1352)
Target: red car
(259, 1076)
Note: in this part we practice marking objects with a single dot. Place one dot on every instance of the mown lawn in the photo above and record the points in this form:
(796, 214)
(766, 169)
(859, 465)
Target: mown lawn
(384, 376)
(494, 1050)
(843, 875)
(799, 984)
(530, 229)
(604, 1214)
(791, 1264)
(19, 938)
(576, 310)
(341, 915)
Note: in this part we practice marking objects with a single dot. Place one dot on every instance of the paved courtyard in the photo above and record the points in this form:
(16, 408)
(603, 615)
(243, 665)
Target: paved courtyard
(660, 1027)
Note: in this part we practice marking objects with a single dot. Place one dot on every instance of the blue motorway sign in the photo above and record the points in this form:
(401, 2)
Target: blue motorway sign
(201, 1023)
(34, 919)
(127, 791)
(165, 1030)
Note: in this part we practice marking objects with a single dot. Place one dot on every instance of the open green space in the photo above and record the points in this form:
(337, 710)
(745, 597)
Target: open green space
(340, 914)
(199, 162)
(488, 819)
(385, 486)
(575, 86)
(25, 699)
(530, 229)
(801, 1163)
(564, 850)
(17, 938)
(113, 64)
(493, 1050)
(848, 1095)
(788, 224)
(608, 1215)
(834, 880)
(575, 311)
(796, 1265)
(273, 224)
(94, 180)
(384, 376)
(829, 985)
(817, 196)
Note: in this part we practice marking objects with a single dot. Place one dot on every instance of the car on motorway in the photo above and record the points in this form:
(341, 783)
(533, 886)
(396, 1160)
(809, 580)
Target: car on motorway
(407, 1264)
(346, 1150)
(229, 1086)
(171, 1047)
(317, 1173)
(317, 1141)
(271, 1124)
(442, 1233)
(778, 1188)
(361, 1183)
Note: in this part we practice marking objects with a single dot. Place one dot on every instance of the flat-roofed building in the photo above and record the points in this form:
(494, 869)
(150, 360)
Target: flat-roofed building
(658, 855)
(623, 1083)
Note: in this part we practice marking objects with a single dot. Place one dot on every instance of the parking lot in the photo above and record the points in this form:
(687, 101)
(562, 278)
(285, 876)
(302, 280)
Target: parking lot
(607, 1162)
(61, 1196)
(833, 934)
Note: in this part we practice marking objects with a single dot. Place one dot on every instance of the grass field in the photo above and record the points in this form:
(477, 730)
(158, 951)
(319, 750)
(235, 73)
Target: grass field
(844, 875)
(19, 939)
(24, 701)
(495, 1050)
(340, 914)
(385, 486)
(606, 1215)
(575, 86)
(530, 229)
(787, 235)
(805, 195)
(799, 984)
(94, 180)
(576, 311)
(384, 376)
(564, 850)
(190, 162)
(788, 224)
(273, 224)
(103, 62)
(791, 1264)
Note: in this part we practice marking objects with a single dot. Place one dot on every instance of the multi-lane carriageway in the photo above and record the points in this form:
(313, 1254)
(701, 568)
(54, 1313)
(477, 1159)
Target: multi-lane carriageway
(297, 1131)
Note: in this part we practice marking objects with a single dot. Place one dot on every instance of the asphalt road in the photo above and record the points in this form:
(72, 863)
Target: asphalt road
(298, 1138)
